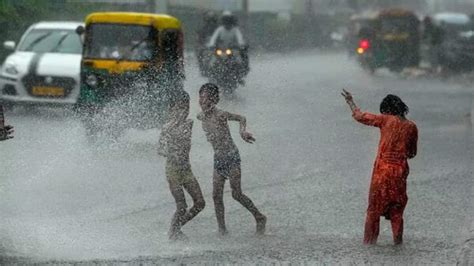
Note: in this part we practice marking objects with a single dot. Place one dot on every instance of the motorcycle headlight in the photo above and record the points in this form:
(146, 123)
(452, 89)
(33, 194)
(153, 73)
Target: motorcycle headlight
(228, 52)
(91, 80)
(219, 52)
(11, 69)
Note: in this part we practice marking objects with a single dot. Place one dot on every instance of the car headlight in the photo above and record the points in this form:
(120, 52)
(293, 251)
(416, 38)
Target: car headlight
(219, 52)
(91, 80)
(11, 69)
(228, 52)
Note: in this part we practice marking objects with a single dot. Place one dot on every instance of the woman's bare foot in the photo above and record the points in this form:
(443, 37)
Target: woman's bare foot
(261, 223)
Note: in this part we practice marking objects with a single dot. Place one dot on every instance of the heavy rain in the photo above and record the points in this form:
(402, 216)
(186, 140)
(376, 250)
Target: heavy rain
(276, 166)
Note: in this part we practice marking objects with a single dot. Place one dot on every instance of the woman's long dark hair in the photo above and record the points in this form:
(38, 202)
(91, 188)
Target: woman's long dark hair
(393, 105)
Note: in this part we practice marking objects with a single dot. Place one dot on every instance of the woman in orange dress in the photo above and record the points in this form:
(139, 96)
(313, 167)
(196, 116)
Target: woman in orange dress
(398, 143)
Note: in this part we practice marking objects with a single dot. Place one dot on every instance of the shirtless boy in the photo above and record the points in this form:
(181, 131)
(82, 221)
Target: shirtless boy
(175, 145)
(226, 155)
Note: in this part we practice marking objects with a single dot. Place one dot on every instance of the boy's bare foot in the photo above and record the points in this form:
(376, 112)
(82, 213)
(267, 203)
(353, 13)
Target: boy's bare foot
(223, 232)
(261, 223)
(178, 236)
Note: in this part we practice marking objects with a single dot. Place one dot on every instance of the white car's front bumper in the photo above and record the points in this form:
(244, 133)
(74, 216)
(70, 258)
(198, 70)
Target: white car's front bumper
(16, 90)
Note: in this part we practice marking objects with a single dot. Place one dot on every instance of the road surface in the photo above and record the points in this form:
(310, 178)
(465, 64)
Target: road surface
(62, 200)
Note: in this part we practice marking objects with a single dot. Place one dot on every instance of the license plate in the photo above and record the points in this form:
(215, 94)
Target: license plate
(48, 91)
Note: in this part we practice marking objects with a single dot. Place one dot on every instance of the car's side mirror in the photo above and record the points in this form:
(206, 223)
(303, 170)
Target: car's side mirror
(80, 30)
(9, 45)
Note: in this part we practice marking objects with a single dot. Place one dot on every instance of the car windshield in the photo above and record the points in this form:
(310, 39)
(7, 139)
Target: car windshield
(120, 42)
(51, 41)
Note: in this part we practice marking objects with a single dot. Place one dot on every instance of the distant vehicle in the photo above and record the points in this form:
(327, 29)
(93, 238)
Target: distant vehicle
(226, 68)
(229, 65)
(132, 62)
(389, 38)
(44, 68)
(356, 24)
(456, 49)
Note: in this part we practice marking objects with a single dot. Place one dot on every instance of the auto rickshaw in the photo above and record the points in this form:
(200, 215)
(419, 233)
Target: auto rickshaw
(132, 66)
(357, 23)
(392, 40)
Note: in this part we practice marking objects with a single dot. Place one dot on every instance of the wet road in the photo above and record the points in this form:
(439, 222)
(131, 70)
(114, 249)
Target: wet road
(309, 172)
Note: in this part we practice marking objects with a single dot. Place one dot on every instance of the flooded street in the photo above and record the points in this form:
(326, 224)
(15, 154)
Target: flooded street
(62, 199)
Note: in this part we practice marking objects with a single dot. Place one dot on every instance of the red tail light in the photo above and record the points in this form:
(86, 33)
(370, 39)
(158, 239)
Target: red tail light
(364, 44)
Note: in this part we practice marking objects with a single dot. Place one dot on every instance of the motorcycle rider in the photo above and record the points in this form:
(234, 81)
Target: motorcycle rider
(211, 22)
(229, 35)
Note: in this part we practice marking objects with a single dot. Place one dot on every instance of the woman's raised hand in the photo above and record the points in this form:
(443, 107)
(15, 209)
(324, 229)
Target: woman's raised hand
(347, 95)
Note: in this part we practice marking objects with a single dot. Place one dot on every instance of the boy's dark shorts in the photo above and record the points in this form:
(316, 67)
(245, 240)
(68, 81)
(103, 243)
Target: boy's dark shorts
(225, 163)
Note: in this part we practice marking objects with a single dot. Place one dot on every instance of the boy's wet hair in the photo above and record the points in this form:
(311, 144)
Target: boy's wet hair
(393, 105)
(212, 90)
(181, 98)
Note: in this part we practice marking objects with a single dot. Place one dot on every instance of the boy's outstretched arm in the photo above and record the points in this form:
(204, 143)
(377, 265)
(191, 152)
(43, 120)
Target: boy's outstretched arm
(241, 119)
(246, 136)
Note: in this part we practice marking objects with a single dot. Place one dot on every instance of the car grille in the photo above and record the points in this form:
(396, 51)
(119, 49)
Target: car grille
(32, 81)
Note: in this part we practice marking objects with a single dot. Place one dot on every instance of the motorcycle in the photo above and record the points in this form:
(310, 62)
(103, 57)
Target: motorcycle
(227, 69)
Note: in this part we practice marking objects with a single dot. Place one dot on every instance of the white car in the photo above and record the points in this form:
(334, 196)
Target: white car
(45, 66)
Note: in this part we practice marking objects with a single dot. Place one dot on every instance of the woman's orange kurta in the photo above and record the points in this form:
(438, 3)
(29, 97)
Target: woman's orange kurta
(398, 143)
